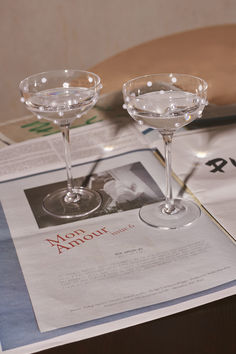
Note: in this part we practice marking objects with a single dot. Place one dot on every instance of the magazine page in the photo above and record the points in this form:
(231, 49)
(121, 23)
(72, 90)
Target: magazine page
(111, 262)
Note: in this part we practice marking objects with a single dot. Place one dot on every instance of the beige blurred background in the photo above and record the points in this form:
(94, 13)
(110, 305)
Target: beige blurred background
(40, 35)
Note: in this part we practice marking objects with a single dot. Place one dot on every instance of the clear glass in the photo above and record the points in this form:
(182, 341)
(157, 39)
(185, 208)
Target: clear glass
(166, 102)
(62, 96)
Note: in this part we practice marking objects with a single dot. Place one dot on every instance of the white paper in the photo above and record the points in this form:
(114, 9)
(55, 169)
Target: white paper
(206, 160)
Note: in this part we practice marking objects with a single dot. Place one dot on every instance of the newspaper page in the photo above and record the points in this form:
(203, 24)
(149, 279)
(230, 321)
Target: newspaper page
(205, 159)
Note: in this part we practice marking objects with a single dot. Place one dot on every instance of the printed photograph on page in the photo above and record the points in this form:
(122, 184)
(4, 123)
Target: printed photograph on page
(122, 188)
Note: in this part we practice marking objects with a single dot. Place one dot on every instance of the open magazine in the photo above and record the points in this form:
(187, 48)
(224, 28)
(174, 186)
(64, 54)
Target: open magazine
(66, 281)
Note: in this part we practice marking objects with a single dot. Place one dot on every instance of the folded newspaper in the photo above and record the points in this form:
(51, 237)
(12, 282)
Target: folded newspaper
(66, 281)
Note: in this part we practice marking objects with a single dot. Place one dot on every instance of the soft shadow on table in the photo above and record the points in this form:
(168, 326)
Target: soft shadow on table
(185, 181)
(86, 180)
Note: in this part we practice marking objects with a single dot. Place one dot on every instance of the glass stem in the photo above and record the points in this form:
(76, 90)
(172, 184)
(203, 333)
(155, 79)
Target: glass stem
(71, 196)
(169, 201)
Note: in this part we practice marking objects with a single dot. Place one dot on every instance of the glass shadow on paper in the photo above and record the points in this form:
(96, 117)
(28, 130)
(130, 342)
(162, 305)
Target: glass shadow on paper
(122, 188)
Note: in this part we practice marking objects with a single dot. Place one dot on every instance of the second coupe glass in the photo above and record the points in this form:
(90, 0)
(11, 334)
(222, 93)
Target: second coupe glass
(62, 96)
(166, 102)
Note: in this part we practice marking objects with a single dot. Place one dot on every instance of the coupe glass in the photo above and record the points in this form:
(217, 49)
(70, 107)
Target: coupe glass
(61, 96)
(166, 102)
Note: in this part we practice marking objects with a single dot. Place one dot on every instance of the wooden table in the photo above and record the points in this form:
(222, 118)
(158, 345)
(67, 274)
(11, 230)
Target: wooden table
(208, 52)
(210, 329)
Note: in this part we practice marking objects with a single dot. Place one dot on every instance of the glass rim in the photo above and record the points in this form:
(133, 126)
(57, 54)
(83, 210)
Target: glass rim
(205, 84)
(61, 71)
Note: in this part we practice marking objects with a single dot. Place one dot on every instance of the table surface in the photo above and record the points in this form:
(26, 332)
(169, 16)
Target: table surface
(211, 54)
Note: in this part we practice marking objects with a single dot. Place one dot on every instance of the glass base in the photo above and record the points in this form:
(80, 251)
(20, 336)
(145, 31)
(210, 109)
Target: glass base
(184, 214)
(86, 203)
